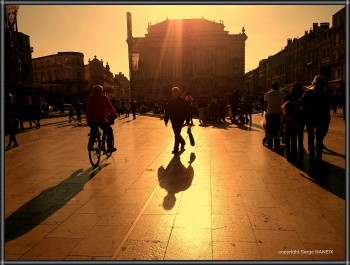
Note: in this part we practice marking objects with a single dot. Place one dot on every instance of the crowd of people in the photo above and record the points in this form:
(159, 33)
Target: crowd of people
(286, 115)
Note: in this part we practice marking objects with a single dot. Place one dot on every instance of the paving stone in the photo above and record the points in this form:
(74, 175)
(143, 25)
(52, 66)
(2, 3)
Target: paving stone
(142, 250)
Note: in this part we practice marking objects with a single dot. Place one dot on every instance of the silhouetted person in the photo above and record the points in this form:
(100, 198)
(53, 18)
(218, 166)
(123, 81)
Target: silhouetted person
(71, 114)
(273, 101)
(248, 106)
(222, 109)
(133, 108)
(96, 116)
(78, 111)
(201, 105)
(37, 113)
(234, 102)
(30, 112)
(177, 111)
(289, 128)
(11, 123)
(127, 109)
(315, 105)
(189, 101)
(295, 93)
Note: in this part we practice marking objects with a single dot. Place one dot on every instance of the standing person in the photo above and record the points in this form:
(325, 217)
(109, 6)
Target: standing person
(295, 93)
(96, 116)
(30, 112)
(289, 128)
(127, 109)
(37, 113)
(177, 111)
(11, 122)
(78, 111)
(119, 107)
(71, 114)
(214, 109)
(248, 106)
(222, 109)
(189, 100)
(201, 105)
(234, 102)
(315, 106)
(133, 108)
(273, 101)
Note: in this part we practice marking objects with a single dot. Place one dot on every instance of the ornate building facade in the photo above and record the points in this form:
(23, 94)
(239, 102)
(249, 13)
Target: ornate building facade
(197, 55)
(61, 75)
(121, 86)
(97, 74)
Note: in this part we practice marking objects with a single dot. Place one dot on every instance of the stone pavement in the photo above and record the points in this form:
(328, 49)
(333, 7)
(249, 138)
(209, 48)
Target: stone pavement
(226, 198)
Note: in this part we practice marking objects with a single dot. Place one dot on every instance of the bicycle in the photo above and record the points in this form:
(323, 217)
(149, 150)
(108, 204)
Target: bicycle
(98, 148)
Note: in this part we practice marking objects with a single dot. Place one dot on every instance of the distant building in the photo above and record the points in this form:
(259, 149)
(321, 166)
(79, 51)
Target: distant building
(61, 76)
(97, 74)
(197, 55)
(122, 86)
(320, 51)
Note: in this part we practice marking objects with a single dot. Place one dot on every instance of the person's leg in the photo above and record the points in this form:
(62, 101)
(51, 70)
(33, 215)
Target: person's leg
(93, 130)
(310, 138)
(321, 131)
(269, 130)
(250, 115)
(293, 145)
(287, 142)
(107, 129)
(276, 123)
(301, 136)
(178, 138)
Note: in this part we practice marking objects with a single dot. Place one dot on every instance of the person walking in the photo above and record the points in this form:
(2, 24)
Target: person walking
(133, 108)
(272, 105)
(234, 102)
(11, 122)
(30, 112)
(201, 105)
(189, 101)
(295, 93)
(289, 129)
(315, 107)
(127, 109)
(71, 114)
(78, 111)
(248, 106)
(177, 111)
(37, 114)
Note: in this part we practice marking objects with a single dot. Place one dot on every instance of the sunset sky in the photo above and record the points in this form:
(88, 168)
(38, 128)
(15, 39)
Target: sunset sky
(101, 29)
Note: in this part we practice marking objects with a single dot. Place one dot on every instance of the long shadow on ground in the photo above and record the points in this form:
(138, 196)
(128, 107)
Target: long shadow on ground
(326, 175)
(175, 178)
(47, 202)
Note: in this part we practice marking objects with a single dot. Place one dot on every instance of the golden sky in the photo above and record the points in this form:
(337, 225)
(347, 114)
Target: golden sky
(101, 29)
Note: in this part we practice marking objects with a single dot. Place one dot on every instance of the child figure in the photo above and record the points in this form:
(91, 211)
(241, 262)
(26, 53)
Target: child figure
(289, 129)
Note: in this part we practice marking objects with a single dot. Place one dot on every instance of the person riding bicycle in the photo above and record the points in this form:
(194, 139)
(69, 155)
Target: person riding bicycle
(96, 116)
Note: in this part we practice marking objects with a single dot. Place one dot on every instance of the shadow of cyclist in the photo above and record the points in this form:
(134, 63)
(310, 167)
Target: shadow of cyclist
(175, 178)
(47, 202)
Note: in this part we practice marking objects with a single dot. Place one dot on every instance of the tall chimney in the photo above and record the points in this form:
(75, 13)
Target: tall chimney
(129, 24)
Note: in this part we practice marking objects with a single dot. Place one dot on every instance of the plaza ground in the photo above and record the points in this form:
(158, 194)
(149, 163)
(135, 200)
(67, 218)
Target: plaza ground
(227, 198)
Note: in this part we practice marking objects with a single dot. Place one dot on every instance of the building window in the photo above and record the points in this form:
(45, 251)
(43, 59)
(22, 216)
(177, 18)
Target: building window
(80, 89)
(79, 76)
(187, 64)
(167, 66)
(66, 60)
(209, 62)
(69, 89)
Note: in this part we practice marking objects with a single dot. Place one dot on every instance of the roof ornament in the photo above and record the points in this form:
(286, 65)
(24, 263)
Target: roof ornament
(243, 30)
(95, 56)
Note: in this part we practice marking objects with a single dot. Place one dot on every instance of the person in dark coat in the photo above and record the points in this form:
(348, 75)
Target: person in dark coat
(295, 93)
(234, 101)
(315, 107)
(177, 111)
(78, 111)
(11, 122)
(133, 108)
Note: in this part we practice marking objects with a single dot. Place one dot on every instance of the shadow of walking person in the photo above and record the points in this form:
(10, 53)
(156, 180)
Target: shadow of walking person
(47, 202)
(175, 178)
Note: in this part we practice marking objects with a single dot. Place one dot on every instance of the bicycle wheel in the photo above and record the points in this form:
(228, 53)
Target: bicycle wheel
(95, 153)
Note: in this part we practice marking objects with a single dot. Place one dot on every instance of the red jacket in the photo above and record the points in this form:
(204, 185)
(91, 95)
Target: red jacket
(98, 105)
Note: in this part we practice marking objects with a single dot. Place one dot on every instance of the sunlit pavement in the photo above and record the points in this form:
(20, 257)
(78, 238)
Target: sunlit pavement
(226, 198)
